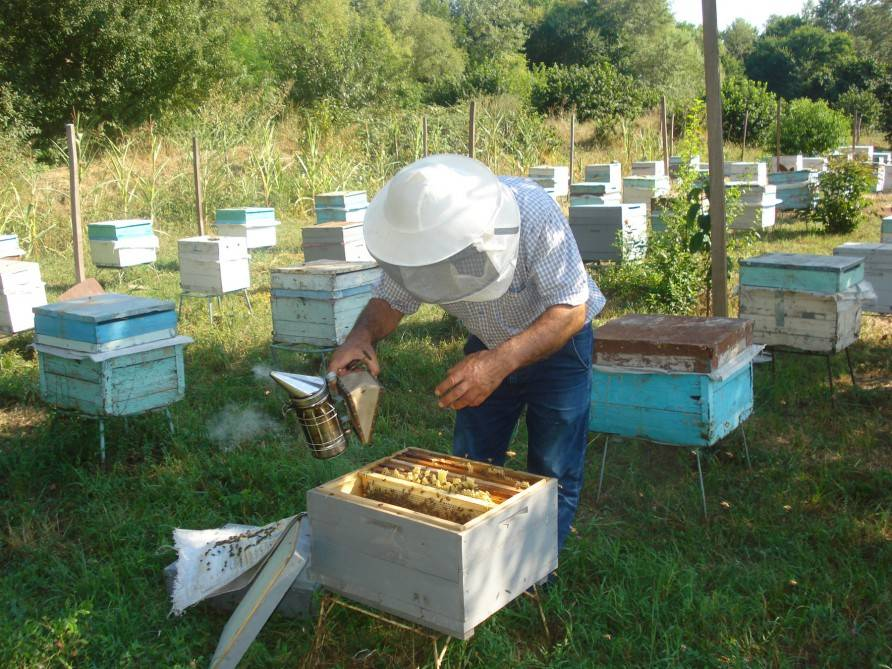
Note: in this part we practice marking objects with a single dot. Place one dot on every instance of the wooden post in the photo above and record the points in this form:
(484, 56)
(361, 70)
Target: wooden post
(746, 120)
(854, 125)
(77, 232)
(572, 142)
(424, 135)
(716, 160)
(777, 133)
(472, 128)
(671, 134)
(664, 134)
(196, 170)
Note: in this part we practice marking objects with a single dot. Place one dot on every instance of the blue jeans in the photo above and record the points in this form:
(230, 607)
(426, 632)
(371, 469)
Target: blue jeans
(556, 393)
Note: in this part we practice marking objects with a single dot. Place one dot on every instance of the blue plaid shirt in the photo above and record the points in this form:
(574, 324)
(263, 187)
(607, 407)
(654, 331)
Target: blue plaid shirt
(549, 272)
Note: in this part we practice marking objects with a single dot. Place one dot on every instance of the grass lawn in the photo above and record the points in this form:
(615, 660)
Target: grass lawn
(794, 569)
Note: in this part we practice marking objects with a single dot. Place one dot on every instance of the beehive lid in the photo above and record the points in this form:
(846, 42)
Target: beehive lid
(104, 308)
(327, 267)
(803, 261)
(341, 193)
(331, 225)
(119, 225)
(703, 342)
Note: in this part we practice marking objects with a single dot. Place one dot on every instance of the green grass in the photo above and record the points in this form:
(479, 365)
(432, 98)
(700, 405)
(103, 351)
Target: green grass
(794, 569)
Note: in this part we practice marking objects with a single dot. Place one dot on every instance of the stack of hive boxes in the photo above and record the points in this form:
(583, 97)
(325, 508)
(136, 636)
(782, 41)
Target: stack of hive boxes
(877, 177)
(594, 192)
(611, 173)
(877, 270)
(9, 247)
(759, 204)
(214, 265)
(886, 230)
(747, 173)
(803, 302)
(647, 168)
(122, 243)
(609, 232)
(317, 303)
(554, 179)
(794, 189)
(643, 189)
(110, 355)
(675, 163)
(672, 379)
(21, 289)
(347, 206)
(256, 225)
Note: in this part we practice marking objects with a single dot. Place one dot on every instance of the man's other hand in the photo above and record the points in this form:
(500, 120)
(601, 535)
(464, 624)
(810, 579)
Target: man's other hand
(471, 381)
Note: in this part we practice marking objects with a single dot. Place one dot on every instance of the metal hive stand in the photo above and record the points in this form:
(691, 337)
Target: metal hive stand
(330, 600)
(696, 451)
(774, 350)
(210, 300)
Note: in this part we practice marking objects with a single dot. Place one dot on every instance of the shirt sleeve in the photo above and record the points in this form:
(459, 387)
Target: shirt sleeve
(555, 264)
(395, 295)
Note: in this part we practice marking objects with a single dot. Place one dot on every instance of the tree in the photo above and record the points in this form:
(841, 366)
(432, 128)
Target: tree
(747, 101)
(739, 38)
(812, 128)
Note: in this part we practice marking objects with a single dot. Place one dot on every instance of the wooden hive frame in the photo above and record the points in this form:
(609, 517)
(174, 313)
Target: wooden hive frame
(450, 562)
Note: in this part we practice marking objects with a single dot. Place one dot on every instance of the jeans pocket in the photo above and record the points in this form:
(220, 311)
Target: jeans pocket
(584, 339)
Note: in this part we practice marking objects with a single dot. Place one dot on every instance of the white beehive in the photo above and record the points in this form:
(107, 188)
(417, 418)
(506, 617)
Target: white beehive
(815, 163)
(610, 232)
(886, 230)
(648, 168)
(335, 241)
(9, 247)
(554, 177)
(877, 271)
(787, 163)
(124, 252)
(214, 265)
(742, 171)
(759, 205)
(675, 163)
(611, 173)
(21, 289)
(887, 178)
(877, 177)
(642, 190)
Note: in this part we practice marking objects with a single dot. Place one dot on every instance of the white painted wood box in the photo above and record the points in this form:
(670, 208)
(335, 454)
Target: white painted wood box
(442, 560)
(758, 206)
(605, 172)
(256, 235)
(318, 302)
(9, 247)
(556, 177)
(877, 177)
(815, 163)
(21, 289)
(214, 265)
(742, 171)
(124, 252)
(648, 168)
(597, 230)
(335, 241)
(887, 178)
(877, 271)
(787, 163)
(675, 163)
(641, 190)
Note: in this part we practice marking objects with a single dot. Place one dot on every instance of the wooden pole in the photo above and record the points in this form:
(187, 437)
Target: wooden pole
(716, 160)
(777, 134)
(854, 125)
(572, 142)
(472, 128)
(664, 134)
(196, 171)
(77, 232)
(424, 135)
(672, 133)
(746, 120)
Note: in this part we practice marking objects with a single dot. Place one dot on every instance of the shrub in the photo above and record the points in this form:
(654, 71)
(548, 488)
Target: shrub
(812, 128)
(599, 92)
(841, 196)
(739, 96)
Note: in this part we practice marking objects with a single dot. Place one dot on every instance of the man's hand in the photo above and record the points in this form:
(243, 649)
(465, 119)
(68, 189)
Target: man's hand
(471, 381)
(354, 349)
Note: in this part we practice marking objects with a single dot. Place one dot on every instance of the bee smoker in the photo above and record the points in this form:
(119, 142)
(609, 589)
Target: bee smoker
(324, 426)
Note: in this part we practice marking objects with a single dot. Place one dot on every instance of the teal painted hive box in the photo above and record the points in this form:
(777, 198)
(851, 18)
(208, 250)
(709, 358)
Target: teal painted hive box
(339, 215)
(113, 231)
(676, 408)
(802, 272)
(124, 382)
(317, 303)
(245, 215)
(886, 230)
(593, 188)
(104, 322)
(347, 199)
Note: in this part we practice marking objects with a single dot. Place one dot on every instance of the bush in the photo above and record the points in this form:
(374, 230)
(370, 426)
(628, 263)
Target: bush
(812, 128)
(599, 92)
(739, 96)
(841, 196)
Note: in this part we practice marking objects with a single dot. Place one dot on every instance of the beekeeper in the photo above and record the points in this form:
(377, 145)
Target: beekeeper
(498, 254)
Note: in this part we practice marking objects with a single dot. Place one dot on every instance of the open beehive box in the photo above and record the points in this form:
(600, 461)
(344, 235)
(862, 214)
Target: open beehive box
(435, 539)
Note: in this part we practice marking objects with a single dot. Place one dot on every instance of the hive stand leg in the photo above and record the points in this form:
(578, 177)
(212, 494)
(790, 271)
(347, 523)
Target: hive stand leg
(180, 307)
(211, 308)
(603, 466)
(169, 421)
(702, 487)
(248, 302)
(851, 369)
(102, 441)
(830, 379)
(746, 448)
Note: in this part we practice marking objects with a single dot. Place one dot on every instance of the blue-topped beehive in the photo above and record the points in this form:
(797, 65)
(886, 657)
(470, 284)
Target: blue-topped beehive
(110, 355)
(256, 225)
(672, 379)
(594, 192)
(795, 190)
(117, 230)
(122, 243)
(9, 247)
(341, 206)
(801, 272)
